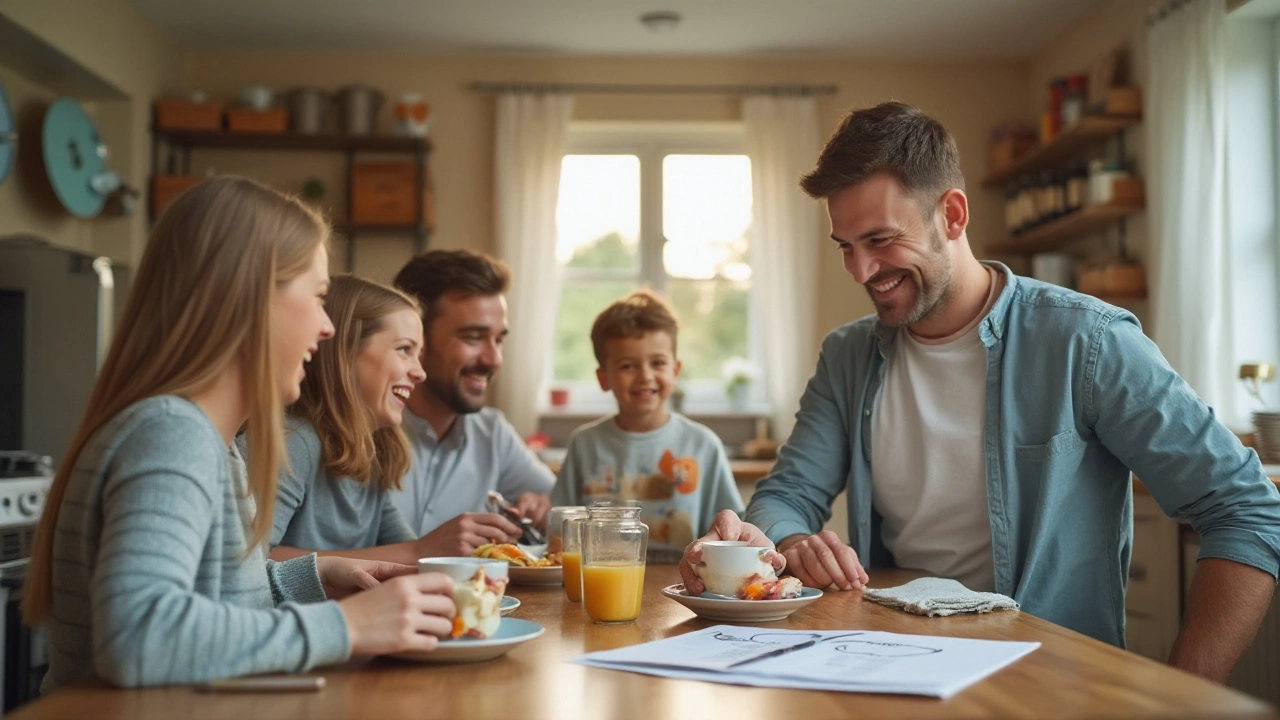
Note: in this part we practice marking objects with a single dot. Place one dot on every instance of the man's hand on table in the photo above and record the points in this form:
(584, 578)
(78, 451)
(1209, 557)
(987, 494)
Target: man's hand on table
(726, 526)
(823, 560)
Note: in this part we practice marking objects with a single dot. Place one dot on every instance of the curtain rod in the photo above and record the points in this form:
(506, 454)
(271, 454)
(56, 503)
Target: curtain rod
(621, 89)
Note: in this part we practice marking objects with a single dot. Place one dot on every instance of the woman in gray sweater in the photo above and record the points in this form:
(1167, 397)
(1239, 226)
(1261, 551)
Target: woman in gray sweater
(149, 564)
(346, 449)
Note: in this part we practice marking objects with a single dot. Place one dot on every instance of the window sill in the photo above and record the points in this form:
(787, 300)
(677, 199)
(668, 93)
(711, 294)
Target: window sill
(591, 412)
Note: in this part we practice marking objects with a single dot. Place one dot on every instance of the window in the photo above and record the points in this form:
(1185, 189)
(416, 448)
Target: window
(666, 206)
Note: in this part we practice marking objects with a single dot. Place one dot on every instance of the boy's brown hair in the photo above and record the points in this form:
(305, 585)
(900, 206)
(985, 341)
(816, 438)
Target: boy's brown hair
(640, 313)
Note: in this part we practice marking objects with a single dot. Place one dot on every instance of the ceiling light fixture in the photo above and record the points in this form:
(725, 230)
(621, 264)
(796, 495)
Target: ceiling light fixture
(662, 21)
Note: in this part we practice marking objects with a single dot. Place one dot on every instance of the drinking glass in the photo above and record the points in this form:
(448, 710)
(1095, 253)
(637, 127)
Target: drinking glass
(568, 529)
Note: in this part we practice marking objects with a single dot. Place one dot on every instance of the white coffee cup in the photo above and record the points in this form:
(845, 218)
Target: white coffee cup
(462, 569)
(478, 610)
(727, 564)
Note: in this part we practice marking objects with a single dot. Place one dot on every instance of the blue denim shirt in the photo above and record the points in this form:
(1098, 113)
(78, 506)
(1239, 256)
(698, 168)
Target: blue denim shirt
(1076, 398)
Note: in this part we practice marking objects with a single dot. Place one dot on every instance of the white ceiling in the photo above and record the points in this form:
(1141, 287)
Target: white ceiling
(889, 29)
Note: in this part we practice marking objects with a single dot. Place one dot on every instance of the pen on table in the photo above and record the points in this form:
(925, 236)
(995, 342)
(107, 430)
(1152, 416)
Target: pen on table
(779, 651)
(298, 683)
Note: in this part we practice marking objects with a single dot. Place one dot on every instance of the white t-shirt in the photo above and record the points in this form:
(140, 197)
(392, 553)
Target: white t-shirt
(927, 469)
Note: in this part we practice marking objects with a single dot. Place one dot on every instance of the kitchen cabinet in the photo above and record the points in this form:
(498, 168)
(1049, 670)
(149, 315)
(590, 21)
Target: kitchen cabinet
(1152, 607)
(179, 143)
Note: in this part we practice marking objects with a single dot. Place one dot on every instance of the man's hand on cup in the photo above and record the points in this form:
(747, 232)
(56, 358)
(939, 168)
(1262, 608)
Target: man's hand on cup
(822, 560)
(727, 526)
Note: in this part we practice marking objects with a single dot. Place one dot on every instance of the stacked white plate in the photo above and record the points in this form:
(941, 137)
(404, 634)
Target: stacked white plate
(1267, 425)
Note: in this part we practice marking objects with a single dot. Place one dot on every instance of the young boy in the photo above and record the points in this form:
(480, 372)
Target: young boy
(676, 468)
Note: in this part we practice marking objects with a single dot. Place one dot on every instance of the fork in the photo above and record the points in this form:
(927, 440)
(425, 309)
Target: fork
(530, 535)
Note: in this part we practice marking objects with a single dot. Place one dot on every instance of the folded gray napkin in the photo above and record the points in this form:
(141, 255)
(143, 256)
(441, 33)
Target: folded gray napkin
(936, 597)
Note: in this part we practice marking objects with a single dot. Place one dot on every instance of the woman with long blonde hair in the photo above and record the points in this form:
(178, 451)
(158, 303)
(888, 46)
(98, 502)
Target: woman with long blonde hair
(345, 447)
(148, 563)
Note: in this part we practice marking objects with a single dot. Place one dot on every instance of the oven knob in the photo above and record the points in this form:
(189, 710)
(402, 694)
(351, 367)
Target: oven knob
(29, 504)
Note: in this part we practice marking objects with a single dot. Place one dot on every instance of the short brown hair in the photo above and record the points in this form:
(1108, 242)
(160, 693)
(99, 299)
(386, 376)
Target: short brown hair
(890, 137)
(436, 273)
(640, 313)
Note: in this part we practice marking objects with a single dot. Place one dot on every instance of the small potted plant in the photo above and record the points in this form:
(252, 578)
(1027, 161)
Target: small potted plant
(738, 374)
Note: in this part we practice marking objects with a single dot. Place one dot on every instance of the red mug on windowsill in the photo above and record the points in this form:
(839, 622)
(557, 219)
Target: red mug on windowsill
(559, 397)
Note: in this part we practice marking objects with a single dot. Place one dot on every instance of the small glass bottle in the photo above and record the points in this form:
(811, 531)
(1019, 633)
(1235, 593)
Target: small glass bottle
(613, 560)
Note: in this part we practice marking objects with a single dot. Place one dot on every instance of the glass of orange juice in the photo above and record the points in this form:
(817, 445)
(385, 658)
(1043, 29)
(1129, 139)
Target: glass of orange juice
(570, 537)
(613, 552)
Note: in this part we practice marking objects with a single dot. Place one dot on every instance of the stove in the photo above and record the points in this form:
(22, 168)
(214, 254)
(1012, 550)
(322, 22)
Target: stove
(24, 482)
(24, 657)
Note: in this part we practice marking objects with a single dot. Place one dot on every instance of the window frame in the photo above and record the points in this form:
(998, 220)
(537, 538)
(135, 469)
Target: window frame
(650, 142)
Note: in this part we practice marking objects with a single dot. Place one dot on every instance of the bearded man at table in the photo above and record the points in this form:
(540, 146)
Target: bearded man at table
(985, 424)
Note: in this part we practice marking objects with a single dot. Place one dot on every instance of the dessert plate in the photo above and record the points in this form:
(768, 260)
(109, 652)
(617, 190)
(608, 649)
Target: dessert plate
(511, 632)
(732, 610)
(509, 605)
(538, 576)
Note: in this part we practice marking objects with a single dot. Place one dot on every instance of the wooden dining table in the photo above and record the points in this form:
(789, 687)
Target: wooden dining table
(1069, 676)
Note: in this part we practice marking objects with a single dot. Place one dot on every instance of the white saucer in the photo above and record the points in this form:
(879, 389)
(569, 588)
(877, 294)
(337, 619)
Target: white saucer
(741, 611)
(549, 576)
(509, 605)
(511, 633)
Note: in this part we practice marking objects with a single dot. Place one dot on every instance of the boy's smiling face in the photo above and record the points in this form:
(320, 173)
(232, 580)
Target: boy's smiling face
(641, 373)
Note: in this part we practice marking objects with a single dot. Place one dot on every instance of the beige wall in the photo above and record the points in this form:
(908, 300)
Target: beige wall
(27, 204)
(969, 98)
(1112, 24)
(112, 40)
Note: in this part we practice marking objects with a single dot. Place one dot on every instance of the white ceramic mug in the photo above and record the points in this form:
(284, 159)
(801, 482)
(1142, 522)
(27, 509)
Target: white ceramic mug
(462, 569)
(480, 612)
(727, 564)
(257, 97)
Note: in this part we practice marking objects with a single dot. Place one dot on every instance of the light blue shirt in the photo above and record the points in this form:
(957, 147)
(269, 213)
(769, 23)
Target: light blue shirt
(1076, 398)
(453, 475)
(154, 582)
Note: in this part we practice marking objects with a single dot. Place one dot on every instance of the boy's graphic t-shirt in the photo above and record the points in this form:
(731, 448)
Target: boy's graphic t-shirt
(678, 473)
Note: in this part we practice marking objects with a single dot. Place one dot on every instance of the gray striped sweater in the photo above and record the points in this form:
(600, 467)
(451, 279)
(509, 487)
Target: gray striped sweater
(152, 584)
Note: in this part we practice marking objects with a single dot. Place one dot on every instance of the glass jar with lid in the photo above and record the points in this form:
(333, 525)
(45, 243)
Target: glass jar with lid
(613, 560)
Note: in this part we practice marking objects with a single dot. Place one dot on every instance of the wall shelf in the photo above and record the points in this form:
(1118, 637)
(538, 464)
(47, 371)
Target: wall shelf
(293, 141)
(183, 141)
(1092, 130)
(1121, 299)
(1065, 230)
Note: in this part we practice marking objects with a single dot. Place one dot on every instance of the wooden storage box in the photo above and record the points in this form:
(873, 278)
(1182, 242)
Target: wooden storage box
(1113, 277)
(179, 114)
(249, 120)
(164, 188)
(383, 194)
(1128, 191)
(1007, 149)
(1124, 101)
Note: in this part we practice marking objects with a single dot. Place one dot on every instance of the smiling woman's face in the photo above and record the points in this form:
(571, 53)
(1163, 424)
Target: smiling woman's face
(388, 367)
(298, 324)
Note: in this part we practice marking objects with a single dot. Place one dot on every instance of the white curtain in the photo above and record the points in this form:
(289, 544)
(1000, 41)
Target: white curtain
(529, 146)
(1186, 133)
(782, 141)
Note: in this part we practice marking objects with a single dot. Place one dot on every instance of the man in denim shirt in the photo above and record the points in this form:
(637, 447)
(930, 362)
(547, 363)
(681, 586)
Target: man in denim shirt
(985, 424)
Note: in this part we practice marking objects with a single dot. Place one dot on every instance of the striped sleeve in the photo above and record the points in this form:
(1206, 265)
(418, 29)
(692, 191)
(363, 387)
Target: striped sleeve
(161, 502)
